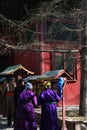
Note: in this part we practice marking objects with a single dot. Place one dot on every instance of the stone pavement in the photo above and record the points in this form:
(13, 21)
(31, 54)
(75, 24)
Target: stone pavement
(3, 124)
(3, 120)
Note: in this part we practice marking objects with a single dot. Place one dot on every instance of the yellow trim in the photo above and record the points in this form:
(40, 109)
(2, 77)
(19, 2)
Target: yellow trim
(20, 67)
(26, 70)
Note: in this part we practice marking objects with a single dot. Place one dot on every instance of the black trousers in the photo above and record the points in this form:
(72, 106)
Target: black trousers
(9, 120)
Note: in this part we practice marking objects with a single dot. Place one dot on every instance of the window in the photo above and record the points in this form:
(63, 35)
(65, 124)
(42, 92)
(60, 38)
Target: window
(70, 63)
(59, 61)
(66, 61)
(30, 34)
(62, 31)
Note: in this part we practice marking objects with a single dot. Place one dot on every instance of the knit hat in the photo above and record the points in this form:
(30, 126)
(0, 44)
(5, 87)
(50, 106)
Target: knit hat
(47, 84)
(28, 86)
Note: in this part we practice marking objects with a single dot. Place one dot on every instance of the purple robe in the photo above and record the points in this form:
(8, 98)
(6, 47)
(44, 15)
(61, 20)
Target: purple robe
(49, 120)
(26, 119)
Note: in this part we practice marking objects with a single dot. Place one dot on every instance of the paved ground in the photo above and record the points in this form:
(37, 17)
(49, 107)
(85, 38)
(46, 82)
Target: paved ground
(3, 124)
(3, 120)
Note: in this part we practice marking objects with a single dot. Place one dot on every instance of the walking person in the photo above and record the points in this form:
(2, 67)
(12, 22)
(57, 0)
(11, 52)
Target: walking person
(26, 119)
(18, 89)
(10, 109)
(48, 100)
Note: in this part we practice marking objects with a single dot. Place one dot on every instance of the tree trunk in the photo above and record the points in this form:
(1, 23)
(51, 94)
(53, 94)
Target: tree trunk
(83, 88)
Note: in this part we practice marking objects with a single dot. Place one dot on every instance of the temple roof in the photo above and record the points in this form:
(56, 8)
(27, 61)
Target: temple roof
(14, 68)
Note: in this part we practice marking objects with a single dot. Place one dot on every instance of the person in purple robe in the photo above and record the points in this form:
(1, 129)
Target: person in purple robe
(26, 119)
(48, 100)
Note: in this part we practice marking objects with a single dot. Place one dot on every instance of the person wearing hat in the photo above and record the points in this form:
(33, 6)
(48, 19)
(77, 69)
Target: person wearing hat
(25, 119)
(48, 100)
